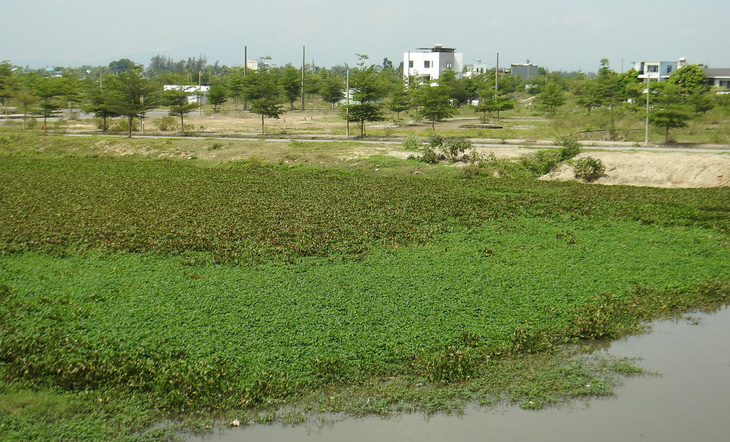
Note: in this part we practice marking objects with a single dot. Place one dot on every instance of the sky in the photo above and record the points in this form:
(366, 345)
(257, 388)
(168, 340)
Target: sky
(569, 35)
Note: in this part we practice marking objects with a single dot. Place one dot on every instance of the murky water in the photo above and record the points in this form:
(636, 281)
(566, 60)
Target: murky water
(690, 401)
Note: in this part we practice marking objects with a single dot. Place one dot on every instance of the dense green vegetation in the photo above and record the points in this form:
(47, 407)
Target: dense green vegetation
(136, 291)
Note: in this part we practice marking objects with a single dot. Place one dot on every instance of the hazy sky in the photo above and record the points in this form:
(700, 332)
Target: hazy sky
(565, 35)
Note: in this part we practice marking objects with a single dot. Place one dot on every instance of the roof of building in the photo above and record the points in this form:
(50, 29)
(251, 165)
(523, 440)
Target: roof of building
(717, 72)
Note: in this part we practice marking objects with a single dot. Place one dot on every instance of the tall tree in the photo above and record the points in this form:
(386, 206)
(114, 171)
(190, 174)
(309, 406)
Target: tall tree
(263, 92)
(134, 95)
(122, 65)
(399, 99)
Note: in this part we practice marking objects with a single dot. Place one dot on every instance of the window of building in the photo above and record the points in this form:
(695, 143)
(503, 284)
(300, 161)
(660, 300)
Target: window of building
(652, 68)
(410, 63)
(669, 69)
(449, 64)
(427, 64)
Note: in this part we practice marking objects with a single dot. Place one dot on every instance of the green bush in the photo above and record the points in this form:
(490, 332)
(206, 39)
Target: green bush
(166, 123)
(571, 148)
(588, 169)
(411, 143)
(453, 147)
(541, 162)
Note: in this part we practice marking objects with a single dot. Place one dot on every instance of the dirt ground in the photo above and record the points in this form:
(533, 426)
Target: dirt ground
(686, 167)
(657, 168)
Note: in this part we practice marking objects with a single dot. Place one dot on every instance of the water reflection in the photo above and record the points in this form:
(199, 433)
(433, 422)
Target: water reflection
(689, 401)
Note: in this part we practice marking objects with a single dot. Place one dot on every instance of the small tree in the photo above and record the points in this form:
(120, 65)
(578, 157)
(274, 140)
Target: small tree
(399, 100)
(48, 90)
(551, 96)
(216, 96)
(263, 92)
(434, 104)
(291, 84)
(671, 110)
(332, 89)
(177, 100)
(102, 104)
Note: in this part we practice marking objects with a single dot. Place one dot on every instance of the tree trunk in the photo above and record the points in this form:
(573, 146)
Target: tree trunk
(131, 119)
(262, 125)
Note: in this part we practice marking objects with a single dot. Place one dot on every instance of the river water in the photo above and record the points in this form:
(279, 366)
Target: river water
(688, 401)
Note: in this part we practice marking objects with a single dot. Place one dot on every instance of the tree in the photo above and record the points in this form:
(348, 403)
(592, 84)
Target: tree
(332, 89)
(588, 94)
(367, 91)
(25, 99)
(48, 90)
(263, 92)
(123, 65)
(102, 104)
(362, 112)
(688, 78)
(216, 95)
(434, 104)
(552, 97)
(671, 110)
(6, 84)
(133, 94)
(177, 100)
(291, 84)
(399, 100)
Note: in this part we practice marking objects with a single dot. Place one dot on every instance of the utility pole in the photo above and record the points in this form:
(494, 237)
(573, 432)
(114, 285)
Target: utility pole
(347, 92)
(304, 64)
(496, 77)
(648, 91)
(245, 67)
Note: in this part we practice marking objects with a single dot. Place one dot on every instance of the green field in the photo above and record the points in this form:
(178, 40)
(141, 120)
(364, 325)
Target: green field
(136, 291)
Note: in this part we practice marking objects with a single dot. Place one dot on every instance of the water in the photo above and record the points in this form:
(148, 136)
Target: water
(689, 401)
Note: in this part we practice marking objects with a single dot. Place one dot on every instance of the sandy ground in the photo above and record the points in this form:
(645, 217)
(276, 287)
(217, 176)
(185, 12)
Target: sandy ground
(657, 169)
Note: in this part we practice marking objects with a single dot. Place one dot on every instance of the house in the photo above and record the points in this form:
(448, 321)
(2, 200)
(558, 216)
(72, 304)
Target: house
(524, 70)
(196, 94)
(658, 70)
(429, 63)
(475, 69)
(719, 77)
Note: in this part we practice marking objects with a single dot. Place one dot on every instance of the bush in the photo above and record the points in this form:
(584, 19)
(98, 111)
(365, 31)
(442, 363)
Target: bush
(571, 147)
(453, 147)
(541, 162)
(411, 143)
(166, 123)
(435, 141)
(588, 169)
(430, 156)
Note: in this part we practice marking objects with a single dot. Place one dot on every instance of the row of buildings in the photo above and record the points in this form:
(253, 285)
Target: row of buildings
(429, 63)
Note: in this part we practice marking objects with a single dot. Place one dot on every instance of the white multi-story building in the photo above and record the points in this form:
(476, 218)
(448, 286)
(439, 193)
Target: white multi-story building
(428, 64)
(658, 70)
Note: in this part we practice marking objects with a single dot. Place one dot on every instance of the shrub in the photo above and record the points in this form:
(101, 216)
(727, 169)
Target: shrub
(435, 141)
(588, 169)
(453, 147)
(166, 123)
(430, 156)
(541, 162)
(411, 143)
(571, 147)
